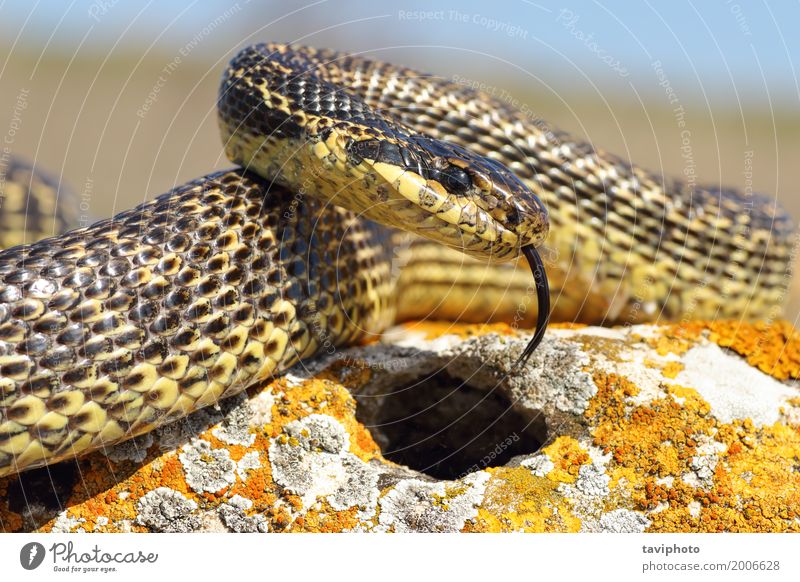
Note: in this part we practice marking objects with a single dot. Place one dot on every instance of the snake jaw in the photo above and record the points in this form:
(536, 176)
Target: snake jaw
(494, 196)
(492, 213)
(511, 203)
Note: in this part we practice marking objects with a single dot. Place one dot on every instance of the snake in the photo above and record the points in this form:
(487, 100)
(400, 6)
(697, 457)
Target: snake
(363, 194)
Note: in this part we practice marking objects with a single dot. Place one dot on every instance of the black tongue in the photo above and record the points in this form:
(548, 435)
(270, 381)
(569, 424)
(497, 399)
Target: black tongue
(543, 299)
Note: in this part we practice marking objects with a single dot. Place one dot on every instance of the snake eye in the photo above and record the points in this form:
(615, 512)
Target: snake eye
(456, 180)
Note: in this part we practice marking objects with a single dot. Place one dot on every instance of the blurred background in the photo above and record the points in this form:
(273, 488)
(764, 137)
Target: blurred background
(117, 99)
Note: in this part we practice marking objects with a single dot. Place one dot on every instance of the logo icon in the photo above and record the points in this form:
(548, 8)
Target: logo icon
(31, 555)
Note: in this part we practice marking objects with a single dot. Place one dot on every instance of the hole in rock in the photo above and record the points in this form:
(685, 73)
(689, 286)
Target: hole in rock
(446, 428)
(46, 489)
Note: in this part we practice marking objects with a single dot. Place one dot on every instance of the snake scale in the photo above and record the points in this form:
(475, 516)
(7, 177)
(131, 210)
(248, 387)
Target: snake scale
(111, 330)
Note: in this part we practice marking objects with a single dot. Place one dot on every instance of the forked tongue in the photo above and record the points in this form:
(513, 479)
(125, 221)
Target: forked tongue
(543, 299)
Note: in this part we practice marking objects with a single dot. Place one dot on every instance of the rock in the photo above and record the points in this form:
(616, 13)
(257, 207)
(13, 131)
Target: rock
(166, 510)
(691, 427)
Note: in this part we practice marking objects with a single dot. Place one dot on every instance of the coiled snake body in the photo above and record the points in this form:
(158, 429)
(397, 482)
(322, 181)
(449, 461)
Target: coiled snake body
(109, 331)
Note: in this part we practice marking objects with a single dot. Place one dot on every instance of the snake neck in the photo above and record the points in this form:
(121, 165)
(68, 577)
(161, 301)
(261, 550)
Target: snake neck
(282, 121)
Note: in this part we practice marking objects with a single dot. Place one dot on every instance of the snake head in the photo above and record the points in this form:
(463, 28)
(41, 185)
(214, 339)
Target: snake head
(493, 211)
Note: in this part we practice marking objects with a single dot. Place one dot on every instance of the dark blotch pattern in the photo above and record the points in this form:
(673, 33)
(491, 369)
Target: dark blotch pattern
(108, 331)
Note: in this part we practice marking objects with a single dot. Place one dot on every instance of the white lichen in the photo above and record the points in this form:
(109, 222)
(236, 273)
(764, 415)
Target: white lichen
(233, 515)
(623, 521)
(235, 427)
(414, 505)
(311, 459)
(134, 449)
(207, 469)
(540, 465)
(248, 462)
(593, 481)
(167, 510)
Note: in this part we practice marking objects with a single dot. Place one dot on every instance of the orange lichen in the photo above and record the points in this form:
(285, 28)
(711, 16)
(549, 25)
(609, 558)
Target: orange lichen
(517, 500)
(653, 446)
(672, 369)
(772, 348)
(435, 329)
(567, 456)
(749, 476)
(659, 439)
(677, 339)
(99, 491)
(612, 393)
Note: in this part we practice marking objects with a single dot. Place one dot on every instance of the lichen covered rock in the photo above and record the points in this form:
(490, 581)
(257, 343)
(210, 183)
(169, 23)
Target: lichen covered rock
(692, 427)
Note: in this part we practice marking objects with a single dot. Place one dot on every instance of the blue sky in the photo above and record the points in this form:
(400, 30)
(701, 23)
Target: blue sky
(721, 47)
